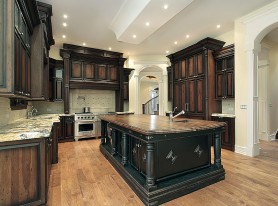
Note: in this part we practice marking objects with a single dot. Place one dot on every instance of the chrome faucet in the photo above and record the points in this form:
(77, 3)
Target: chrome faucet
(32, 112)
(180, 113)
(171, 113)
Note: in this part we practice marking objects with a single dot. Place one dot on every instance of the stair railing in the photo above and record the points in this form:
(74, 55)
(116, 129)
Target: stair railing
(151, 106)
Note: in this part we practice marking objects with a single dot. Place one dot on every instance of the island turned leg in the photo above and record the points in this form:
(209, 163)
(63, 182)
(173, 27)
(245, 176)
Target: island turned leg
(150, 183)
(103, 133)
(217, 150)
(113, 142)
(124, 149)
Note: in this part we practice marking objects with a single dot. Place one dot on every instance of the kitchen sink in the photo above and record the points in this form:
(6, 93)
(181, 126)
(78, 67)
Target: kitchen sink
(182, 120)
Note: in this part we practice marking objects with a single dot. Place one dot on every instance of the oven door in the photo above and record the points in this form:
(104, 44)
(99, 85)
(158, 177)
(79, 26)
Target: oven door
(85, 129)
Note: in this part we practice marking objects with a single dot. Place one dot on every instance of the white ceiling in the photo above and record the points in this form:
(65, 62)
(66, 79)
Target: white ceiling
(98, 22)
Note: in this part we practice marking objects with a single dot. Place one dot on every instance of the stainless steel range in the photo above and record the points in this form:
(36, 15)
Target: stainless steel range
(86, 125)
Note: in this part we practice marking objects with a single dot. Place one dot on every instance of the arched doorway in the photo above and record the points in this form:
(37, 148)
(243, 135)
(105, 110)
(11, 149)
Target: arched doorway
(150, 78)
(249, 32)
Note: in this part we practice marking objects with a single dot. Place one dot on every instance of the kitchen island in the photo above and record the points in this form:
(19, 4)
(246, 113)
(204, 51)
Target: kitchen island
(162, 159)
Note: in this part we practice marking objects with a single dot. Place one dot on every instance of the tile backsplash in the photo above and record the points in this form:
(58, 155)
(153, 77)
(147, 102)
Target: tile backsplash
(97, 100)
(228, 106)
(7, 115)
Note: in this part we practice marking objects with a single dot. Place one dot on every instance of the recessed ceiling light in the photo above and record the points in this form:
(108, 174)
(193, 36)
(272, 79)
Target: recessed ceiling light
(84, 44)
(147, 23)
(218, 26)
(165, 6)
(110, 48)
(64, 24)
(64, 36)
(175, 42)
(65, 16)
(187, 36)
(134, 36)
(167, 52)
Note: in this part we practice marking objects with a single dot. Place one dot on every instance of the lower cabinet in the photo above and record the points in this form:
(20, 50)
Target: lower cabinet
(67, 128)
(24, 172)
(228, 137)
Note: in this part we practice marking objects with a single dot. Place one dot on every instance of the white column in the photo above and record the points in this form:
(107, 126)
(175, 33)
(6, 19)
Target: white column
(252, 106)
(137, 94)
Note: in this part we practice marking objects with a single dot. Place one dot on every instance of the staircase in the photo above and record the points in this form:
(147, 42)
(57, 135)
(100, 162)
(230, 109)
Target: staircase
(151, 106)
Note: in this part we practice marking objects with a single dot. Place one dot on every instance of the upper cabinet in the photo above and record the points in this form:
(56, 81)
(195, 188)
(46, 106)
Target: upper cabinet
(17, 22)
(24, 49)
(56, 80)
(89, 68)
(225, 72)
(193, 73)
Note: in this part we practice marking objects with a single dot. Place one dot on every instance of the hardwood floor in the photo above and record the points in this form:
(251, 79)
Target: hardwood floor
(83, 177)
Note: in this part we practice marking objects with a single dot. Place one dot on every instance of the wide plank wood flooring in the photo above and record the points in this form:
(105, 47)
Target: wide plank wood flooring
(83, 177)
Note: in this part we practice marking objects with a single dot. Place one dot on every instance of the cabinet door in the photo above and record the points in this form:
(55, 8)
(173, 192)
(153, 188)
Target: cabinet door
(183, 69)
(89, 71)
(102, 72)
(200, 71)
(76, 71)
(113, 73)
(230, 84)
(177, 96)
(57, 89)
(190, 67)
(176, 71)
(228, 136)
(69, 128)
(220, 85)
(126, 91)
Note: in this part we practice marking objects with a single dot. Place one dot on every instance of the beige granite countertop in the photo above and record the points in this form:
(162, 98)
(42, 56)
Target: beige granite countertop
(35, 127)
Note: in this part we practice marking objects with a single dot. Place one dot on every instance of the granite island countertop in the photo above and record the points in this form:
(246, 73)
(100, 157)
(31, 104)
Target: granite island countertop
(35, 127)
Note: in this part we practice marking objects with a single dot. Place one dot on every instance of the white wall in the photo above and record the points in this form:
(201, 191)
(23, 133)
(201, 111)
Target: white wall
(249, 31)
(273, 85)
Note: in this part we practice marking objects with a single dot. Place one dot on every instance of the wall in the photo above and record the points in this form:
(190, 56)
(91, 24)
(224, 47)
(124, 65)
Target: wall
(145, 90)
(273, 85)
(7, 115)
(44, 107)
(97, 100)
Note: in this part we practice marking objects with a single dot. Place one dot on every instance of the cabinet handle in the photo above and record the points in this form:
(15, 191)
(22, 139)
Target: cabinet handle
(21, 33)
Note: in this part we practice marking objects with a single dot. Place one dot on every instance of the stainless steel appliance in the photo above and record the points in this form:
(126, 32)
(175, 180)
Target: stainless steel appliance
(86, 109)
(86, 125)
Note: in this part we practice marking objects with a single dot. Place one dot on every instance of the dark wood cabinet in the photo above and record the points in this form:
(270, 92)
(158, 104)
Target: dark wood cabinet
(24, 171)
(170, 83)
(194, 79)
(224, 72)
(22, 59)
(27, 36)
(56, 80)
(127, 72)
(55, 135)
(89, 68)
(67, 128)
(228, 137)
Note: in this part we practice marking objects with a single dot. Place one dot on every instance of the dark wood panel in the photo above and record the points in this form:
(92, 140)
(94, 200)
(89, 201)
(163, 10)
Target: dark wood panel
(200, 95)
(192, 93)
(113, 71)
(183, 70)
(22, 173)
(102, 72)
(191, 67)
(176, 71)
(76, 70)
(219, 84)
(199, 64)
(89, 71)
(230, 83)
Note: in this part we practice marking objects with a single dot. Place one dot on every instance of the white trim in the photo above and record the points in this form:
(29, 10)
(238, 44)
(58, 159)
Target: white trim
(240, 150)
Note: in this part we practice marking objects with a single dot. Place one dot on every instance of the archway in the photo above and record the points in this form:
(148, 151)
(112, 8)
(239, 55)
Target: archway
(249, 31)
(158, 80)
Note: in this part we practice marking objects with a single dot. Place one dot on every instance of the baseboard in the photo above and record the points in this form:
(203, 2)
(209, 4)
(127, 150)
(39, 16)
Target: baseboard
(240, 150)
